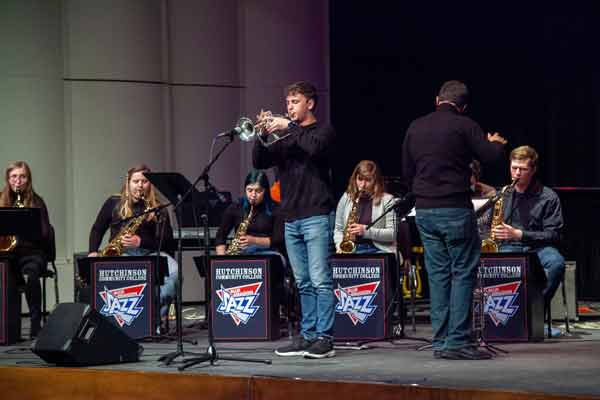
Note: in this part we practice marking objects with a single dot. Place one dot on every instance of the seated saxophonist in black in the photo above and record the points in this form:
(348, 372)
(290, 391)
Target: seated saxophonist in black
(30, 256)
(257, 230)
(137, 194)
(364, 201)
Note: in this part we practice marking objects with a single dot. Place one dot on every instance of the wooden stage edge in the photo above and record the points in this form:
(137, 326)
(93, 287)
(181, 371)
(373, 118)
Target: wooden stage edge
(17, 383)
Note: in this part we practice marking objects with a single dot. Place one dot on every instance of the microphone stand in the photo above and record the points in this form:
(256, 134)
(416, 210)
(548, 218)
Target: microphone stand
(211, 353)
(400, 212)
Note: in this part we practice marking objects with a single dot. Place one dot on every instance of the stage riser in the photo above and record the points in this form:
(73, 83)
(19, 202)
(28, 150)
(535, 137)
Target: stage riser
(18, 383)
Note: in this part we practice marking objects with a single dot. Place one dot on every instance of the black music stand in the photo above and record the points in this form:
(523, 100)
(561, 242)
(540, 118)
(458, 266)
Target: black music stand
(22, 222)
(178, 191)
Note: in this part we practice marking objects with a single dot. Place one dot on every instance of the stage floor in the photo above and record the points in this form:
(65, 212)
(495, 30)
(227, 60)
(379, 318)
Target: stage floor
(565, 365)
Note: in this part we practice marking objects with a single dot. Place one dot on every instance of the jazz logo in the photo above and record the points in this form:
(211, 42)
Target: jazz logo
(499, 303)
(238, 302)
(357, 301)
(122, 303)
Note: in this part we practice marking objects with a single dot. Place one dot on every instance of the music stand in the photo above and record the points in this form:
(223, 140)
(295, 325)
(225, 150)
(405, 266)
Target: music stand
(178, 191)
(22, 222)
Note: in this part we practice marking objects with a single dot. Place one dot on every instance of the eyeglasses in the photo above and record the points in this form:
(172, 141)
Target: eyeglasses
(15, 177)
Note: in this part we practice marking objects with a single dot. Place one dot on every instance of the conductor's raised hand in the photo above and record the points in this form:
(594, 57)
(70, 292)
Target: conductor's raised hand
(495, 137)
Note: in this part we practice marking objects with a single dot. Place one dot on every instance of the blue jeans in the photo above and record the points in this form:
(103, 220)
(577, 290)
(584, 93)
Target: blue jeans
(309, 243)
(452, 251)
(168, 290)
(367, 248)
(552, 261)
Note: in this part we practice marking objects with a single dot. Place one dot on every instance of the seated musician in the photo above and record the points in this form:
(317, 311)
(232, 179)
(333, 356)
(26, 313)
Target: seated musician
(366, 200)
(257, 230)
(532, 218)
(30, 256)
(136, 195)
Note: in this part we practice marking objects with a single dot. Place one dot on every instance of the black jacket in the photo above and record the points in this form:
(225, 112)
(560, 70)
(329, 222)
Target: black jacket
(437, 151)
(545, 222)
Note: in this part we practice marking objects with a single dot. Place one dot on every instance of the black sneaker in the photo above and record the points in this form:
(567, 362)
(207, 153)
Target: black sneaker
(321, 348)
(298, 347)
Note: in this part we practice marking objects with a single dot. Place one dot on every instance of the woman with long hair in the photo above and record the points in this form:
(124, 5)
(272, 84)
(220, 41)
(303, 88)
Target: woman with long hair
(256, 208)
(30, 254)
(136, 194)
(366, 192)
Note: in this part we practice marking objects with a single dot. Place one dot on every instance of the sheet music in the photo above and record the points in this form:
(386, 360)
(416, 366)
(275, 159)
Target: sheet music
(478, 202)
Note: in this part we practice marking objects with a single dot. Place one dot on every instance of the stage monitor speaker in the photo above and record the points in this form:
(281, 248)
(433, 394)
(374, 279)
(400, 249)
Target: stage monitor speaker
(77, 335)
(557, 306)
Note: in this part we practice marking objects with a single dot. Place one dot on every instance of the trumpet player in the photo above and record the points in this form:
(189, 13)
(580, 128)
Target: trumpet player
(365, 193)
(30, 256)
(533, 218)
(307, 203)
(261, 234)
(137, 193)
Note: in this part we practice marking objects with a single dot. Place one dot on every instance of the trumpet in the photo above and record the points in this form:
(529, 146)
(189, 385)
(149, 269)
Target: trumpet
(249, 130)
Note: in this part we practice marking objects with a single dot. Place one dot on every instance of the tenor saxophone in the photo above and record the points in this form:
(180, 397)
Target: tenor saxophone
(235, 247)
(115, 247)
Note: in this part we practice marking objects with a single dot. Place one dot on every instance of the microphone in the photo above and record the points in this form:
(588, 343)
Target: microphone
(234, 132)
(404, 204)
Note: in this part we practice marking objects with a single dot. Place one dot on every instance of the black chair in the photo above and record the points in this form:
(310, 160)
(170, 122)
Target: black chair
(51, 273)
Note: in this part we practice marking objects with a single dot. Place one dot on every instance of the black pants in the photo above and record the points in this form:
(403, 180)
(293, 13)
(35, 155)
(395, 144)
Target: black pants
(31, 267)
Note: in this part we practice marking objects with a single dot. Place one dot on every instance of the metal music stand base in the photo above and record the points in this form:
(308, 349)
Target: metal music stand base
(212, 356)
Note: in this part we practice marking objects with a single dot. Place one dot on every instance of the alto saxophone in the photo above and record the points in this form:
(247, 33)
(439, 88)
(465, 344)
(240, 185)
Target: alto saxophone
(8, 243)
(347, 246)
(490, 245)
(235, 247)
(115, 247)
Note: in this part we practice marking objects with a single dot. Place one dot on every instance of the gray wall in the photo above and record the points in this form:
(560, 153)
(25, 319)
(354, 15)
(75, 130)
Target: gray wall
(88, 88)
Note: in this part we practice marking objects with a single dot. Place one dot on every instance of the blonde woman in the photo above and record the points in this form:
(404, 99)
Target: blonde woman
(30, 255)
(136, 191)
(366, 182)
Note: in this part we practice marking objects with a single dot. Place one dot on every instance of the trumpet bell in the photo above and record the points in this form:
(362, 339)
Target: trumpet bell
(246, 130)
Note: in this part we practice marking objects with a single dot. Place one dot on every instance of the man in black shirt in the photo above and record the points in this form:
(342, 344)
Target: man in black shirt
(437, 151)
(307, 203)
(533, 218)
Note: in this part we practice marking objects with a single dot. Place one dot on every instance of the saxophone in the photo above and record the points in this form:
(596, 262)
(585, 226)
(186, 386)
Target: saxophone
(490, 245)
(347, 246)
(115, 247)
(235, 246)
(8, 243)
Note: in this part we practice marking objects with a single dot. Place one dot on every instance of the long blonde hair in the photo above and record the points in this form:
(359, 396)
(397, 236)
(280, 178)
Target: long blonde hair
(125, 208)
(7, 197)
(367, 168)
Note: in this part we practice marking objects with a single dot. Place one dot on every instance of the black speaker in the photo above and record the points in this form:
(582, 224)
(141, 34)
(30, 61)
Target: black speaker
(77, 335)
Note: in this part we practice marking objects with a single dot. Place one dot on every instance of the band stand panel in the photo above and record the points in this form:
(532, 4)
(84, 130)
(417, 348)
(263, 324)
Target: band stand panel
(10, 303)
(124, 289)
(363, 286)
(245, 298)
(514, 304)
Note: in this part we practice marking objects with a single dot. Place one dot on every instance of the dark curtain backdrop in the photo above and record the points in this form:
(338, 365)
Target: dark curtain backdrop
(533, 72)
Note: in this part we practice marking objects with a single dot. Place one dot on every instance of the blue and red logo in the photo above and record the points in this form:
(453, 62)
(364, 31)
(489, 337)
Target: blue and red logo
(122, 303)
(238, 302)
(500, 299)
(357, 301)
